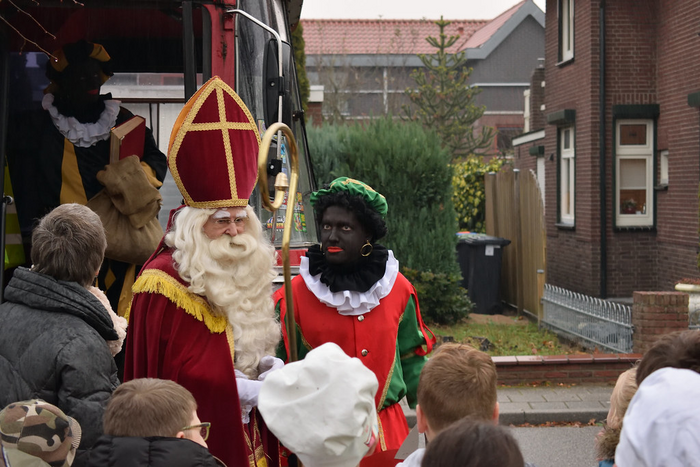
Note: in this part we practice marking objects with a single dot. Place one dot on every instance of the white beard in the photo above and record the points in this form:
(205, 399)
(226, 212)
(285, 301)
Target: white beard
(235, 275)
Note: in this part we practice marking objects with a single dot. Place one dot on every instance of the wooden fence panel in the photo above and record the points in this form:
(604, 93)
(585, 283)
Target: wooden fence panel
(514, 211)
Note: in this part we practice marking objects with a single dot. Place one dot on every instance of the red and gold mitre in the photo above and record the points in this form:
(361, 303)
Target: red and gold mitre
(213, 151)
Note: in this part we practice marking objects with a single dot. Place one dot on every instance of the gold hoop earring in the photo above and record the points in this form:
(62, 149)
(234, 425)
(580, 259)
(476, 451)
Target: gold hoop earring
(362, 250)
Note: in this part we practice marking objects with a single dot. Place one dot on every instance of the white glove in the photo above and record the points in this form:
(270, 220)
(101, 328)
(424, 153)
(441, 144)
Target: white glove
(267, 365)
(248, 391)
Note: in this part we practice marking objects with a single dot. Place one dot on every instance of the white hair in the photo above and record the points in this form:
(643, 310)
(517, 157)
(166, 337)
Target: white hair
(235, 275)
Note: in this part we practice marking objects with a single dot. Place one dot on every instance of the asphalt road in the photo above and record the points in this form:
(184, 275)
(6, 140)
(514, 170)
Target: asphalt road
(558, 446)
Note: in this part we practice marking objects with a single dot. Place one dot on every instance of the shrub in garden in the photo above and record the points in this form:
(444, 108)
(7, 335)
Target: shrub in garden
(407, 164)
(442, 299)
(469, 193)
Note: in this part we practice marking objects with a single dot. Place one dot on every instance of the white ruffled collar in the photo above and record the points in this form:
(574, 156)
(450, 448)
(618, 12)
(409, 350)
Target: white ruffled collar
(351, 303)
(80, 134)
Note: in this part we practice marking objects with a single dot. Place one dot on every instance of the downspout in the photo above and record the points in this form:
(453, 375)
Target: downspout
(4, 111)
(601, 158)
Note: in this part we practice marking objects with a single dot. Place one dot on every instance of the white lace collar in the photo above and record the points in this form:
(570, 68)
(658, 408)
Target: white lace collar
(80, 134)
(351, 303)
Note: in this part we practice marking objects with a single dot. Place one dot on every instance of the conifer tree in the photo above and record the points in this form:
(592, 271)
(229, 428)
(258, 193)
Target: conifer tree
(299, 45)
(444, 101)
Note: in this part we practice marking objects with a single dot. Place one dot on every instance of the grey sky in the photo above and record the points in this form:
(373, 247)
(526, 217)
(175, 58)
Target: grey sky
(407, 9)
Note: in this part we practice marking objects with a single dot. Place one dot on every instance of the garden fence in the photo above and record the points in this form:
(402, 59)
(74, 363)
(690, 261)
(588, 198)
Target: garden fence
(593, 322)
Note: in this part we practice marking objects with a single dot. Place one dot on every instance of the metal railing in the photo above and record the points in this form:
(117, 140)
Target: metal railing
(592, 322)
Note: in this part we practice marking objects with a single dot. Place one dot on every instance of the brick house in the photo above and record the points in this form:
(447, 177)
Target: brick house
(619, 147)
(365, 65)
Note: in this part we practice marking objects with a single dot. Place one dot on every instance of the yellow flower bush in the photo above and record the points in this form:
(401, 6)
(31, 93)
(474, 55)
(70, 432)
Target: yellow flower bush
(468, 193)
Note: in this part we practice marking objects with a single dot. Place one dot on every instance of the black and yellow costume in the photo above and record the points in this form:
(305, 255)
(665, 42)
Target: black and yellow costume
(48, 170)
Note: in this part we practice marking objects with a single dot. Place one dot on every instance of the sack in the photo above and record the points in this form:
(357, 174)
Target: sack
(125, 242)
(128, 207)
(128, 187)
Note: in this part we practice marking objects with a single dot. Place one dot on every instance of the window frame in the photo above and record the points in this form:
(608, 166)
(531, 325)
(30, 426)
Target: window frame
(646, 152)
(566, 30)
(526, 111)
(663, 168)
(567, 218)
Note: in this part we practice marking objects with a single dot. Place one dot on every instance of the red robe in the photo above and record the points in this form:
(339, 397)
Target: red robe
(174, 335)
(378, 340)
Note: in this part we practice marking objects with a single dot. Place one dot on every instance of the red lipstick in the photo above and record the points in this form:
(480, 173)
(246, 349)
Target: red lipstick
(334, 249)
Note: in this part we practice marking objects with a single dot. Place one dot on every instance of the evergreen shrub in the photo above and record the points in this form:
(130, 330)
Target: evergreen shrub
(442, 300)
(407, 164)
(469, 195)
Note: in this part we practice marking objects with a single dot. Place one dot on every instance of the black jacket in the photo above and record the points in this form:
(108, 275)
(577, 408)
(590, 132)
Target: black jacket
(154, 451)
(53, 347)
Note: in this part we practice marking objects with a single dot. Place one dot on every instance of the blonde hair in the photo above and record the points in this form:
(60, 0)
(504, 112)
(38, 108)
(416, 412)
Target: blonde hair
(456, 382)
(625, 388)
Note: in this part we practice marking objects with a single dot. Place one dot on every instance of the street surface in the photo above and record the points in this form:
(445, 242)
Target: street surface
(558, 446)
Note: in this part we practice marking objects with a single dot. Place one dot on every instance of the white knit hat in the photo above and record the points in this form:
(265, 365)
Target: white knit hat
(662, 424)
(322, 408)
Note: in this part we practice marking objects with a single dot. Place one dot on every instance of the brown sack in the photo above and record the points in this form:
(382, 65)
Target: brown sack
(124, 242)
(129, 189)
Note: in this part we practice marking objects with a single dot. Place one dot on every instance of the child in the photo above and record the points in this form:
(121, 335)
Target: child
(152, 422)
(322, 408)
(35, 432)
(679, 349)
(609, 437)
(473, 443)
(662, 423)
(458, 381)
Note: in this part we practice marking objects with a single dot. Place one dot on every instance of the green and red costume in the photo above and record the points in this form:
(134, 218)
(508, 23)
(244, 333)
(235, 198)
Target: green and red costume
(389, 339)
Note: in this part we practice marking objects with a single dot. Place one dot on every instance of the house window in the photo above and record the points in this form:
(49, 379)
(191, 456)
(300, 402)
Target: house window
(567, 181)
(634, 176)
(566, 30)
(663, 168)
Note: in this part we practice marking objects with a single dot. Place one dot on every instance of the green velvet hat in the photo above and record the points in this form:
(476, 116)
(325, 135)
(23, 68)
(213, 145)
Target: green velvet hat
(373, 199)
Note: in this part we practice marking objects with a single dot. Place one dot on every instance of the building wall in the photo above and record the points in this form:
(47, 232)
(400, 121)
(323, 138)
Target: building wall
(572, 254)
(523, 160)
(649, 45)
(631, 78)
(513, 60)
(678, 74)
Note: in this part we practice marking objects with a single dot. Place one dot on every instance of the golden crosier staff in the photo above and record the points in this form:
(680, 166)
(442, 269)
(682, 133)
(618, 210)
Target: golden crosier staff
(282, 185)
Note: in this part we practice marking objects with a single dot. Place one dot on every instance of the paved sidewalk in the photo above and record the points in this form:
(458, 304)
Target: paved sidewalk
(547, 404)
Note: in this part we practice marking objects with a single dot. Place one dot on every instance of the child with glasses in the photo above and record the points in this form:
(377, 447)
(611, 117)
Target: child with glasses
(152, 422)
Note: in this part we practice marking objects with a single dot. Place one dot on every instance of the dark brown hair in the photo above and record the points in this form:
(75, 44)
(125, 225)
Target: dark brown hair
(679, 349)
(149, 407)
(456, 382)
(473, 443)
(69, 244)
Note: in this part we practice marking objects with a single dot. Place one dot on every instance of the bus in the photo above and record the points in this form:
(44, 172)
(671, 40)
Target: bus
(161, 52)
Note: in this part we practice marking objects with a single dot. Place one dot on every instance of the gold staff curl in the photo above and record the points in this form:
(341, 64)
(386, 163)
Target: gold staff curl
(282, 186)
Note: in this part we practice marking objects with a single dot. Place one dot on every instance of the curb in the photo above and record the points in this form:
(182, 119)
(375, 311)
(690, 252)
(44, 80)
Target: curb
(521, 417)
(553, 415)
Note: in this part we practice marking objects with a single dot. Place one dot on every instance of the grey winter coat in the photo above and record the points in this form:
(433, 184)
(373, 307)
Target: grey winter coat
(53, 347)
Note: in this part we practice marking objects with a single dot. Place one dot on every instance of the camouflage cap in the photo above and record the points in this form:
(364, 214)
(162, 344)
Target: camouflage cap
(38, 428)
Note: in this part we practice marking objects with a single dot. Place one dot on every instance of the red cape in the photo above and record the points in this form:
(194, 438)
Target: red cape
(173, 335)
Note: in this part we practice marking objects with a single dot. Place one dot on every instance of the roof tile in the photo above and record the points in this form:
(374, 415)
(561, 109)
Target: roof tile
(484, 34)
(383, 36)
